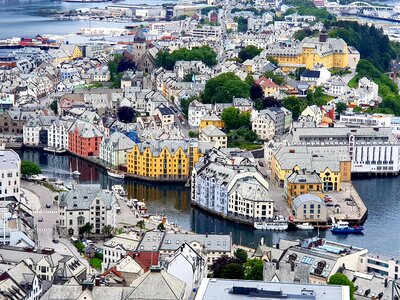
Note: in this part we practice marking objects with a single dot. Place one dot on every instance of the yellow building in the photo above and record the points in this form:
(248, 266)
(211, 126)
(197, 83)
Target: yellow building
(211, 119)
(300, 183)
(163, 160)
(331, 168)
(66, 53)
(329, 52)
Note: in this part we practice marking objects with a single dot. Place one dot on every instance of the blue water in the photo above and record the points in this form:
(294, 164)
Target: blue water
(381, 195)
(22, 18)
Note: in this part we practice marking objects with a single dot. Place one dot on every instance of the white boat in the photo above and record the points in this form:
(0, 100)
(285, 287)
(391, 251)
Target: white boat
(55, 150)
(76, 173)
(115, 174)
(118, 189)
(279, 224)
(305, 226)
(38, 177)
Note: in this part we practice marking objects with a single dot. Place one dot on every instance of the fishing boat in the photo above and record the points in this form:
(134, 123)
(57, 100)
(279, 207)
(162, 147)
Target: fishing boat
(305, 226)
(279, 224)
(342, 227)
(115, 174)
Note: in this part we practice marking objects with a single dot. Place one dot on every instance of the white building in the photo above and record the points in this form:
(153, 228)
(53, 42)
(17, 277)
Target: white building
(235, 190)
(336, 86)
(211, 133)
(87, 203)
(35, 130)
(312, 113)
(58, 134)
(197, 111)
(264, 127)
(206, 32)
(380, 120)
(114, 149)
(387, 266)
(13, 235)
(10, 175)
(118, 247)
(187, 265)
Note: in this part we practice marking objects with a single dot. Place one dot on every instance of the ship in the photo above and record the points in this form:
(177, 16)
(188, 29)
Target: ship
(115, 174)
(279, 224)
(305, 226)
(342, 227)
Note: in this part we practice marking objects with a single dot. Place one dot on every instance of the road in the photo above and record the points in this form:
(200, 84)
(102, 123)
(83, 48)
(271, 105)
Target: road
(38, 196)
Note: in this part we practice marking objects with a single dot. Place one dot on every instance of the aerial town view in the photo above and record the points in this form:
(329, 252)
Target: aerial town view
(199, 149)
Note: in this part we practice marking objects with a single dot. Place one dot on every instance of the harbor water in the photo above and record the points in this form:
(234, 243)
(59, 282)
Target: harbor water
(381, 195)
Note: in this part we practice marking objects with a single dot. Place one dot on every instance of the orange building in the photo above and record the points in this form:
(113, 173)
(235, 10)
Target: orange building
(84, 139)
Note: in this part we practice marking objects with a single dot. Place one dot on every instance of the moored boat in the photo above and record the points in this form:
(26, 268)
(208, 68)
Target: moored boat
(118, 189)
(115, 174)
(279, 224)
(55, 150)
(305, 226)
(342, 227)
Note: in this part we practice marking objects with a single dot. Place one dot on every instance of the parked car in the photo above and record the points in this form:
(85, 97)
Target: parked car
(40, 219)
(48, 205)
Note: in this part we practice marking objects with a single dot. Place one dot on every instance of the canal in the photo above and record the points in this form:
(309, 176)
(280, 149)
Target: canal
(381, 195)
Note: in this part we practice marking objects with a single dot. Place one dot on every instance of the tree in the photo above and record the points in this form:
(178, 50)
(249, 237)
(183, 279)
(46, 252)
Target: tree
(54, 106)
(271, 102)
(87, 228)
(357, 109)
(125, 64)
(341, 279)
(161, 227)
(126, 114)
(242, 24)
(256, 92)
(224, 87)
(241, 255)
(232, 271)
(194, 134)
(231, 118)
(107, 230)
(253, 269)
(249, 52)
(29, 168)
(278, 79)
(219, 264)
(205, 54)
(341, 107)
(249, 79)
(140, 224)
(273, 60)
(295, 105)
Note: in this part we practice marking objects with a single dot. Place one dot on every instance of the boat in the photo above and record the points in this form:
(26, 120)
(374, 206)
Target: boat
(55, 150)
(279, 224)
(115, 174)
(342, 227)
(76, 173)
(118, 189)
(305, 226)
(38, 177)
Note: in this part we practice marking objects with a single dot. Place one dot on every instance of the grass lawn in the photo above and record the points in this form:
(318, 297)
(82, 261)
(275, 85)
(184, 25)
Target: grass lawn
(353, 83)
(95, 262)
(327, 98)
(250, 146)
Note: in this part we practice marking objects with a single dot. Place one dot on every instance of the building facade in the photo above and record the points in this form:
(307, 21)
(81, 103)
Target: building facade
(10, 175)
(114, 149)
(84, 139)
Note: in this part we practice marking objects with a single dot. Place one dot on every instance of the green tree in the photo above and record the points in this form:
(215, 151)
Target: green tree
(249, 79)
(232, 271)
(194, 134)
(256, 92)
(278, 79)
(224, 87)
(341, 107)
(86, 229)
(242, 24)
(357, 109)
(54, 106)
(273, 60)
(249, 52)
(185, 102)
(29, 168)
(253, 269)
(107, 230)
(230, 116)
(241, 255)
(140, 224)
(295, 105)
(341, 279)
(161, 226)
(125, 64)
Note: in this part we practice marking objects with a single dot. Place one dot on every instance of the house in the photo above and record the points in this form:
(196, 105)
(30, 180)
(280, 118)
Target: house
(10, 180)
(336, 86)
(318, 74)
(264, 127)
(299, 183)
(86, 203)
(313, 113)
(99, 74)
(114, 149)
(244, 105)
(118, 247)
(187, 265)
(35, 130)
(309, 208)
(155, 282)
(20, 281)
(58, 133)
(211, 119)
(196, 111)
(269, 87)
(84, 139)
(281, 117)
(123, 272)
(213, 134)
(285, 272)
(165, 114)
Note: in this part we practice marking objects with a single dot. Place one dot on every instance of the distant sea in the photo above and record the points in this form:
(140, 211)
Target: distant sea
(21, 18)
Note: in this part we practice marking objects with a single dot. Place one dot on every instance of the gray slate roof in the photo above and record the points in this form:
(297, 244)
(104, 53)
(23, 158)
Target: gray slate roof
(82, 196)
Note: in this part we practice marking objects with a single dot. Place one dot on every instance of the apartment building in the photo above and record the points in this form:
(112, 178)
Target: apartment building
(10, 175)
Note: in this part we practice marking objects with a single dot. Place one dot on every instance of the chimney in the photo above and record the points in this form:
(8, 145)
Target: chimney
(277, 264)
(292, 266)
(386, 282)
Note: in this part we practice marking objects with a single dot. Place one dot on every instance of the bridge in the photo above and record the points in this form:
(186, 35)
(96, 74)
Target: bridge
(358, 5)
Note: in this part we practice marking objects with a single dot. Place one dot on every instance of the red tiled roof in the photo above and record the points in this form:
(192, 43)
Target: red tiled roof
(265, 82)
(146, 259)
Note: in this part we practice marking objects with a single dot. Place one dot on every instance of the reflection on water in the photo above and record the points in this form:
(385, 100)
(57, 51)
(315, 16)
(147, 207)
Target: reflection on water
(380, 234)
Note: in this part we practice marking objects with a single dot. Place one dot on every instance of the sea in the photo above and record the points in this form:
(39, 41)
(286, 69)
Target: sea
(381, 195)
